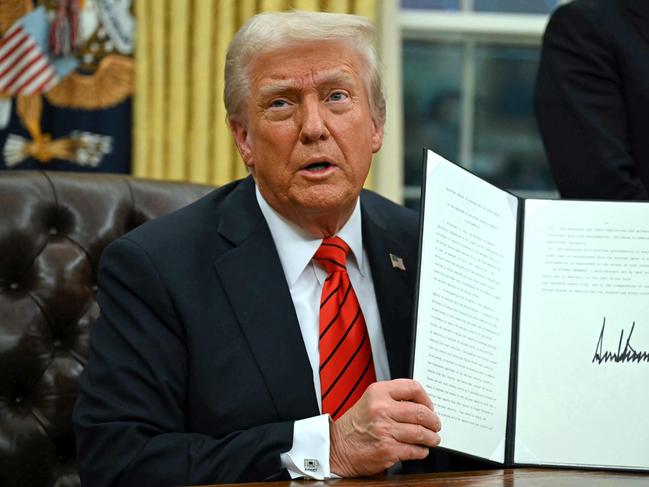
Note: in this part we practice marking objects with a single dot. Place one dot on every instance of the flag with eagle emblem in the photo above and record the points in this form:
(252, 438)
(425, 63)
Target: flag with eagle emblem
(66, 80)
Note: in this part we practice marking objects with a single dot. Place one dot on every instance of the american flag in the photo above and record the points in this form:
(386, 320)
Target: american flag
(26, 66)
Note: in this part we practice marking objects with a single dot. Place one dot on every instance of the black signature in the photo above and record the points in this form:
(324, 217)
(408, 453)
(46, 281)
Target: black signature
(628, 354)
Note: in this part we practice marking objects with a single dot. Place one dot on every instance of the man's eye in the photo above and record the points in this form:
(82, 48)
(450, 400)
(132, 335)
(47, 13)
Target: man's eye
(338, 96)
(278, 103)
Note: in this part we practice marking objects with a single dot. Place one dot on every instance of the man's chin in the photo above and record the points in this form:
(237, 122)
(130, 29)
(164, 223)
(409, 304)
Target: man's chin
(328, 199)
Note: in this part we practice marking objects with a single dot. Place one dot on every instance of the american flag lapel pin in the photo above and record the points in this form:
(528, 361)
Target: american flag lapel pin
(397, 262)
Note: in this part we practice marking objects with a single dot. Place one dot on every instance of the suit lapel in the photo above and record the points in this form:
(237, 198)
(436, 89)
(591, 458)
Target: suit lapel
(253, 279)
(393, 291)
(638, 11)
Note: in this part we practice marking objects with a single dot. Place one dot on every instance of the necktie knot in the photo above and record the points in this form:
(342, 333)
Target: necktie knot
(332, 254)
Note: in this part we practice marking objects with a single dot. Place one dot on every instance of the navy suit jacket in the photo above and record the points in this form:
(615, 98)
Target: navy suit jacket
(592, 98)
(197, 366)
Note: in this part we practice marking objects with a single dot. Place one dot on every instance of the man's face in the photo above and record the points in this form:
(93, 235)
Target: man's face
(308, 134)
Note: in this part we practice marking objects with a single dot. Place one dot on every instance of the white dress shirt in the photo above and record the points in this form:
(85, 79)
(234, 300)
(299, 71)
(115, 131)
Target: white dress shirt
(305, 279)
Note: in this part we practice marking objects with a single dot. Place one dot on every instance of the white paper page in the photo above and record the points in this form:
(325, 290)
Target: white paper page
(580, 401)
(464, 310)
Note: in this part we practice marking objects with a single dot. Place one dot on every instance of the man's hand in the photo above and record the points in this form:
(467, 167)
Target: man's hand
(393, 420)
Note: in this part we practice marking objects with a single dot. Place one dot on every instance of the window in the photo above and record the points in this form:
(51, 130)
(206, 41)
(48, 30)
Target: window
(468, 78)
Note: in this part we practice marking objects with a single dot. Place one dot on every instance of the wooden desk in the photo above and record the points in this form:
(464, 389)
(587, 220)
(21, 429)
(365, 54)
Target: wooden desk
(520, 477)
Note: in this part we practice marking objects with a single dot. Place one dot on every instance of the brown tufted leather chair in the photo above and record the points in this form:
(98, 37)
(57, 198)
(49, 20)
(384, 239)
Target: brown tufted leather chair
(53, 227)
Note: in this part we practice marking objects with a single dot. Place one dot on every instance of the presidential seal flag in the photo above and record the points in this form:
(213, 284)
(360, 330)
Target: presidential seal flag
(66, 80)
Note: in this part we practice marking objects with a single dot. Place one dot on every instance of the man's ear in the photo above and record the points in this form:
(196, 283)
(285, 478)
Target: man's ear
(377, 137)
(240, 136)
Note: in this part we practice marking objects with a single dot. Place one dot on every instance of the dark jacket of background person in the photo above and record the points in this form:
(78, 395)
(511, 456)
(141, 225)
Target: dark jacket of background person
(592, 98)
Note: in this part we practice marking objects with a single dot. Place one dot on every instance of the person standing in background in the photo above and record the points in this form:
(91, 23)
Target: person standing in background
(592, 99)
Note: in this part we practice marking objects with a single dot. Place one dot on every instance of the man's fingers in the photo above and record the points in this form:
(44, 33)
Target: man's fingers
(392, 421)
(409, 390)
(417, 414)
(413, 434)
(412, 452)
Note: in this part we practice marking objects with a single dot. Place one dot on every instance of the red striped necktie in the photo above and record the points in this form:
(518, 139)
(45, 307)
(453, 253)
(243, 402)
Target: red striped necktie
(346, 366)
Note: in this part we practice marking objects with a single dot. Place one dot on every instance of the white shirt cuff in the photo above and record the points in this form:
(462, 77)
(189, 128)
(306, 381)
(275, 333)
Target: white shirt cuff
(309, 456)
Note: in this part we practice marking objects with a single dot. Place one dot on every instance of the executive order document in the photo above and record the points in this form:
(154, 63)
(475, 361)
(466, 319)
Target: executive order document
(532, 333)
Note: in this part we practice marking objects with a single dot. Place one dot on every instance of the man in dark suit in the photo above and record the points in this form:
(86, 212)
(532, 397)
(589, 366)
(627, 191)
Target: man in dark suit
(592, 98)
(218, 356)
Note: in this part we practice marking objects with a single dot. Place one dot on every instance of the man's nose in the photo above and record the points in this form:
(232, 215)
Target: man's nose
(314, 126)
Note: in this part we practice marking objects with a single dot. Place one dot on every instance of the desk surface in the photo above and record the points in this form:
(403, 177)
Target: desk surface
(520, 477)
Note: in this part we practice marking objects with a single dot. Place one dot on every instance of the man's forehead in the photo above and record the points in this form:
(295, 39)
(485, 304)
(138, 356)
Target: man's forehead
(313, 60)
(324, 77)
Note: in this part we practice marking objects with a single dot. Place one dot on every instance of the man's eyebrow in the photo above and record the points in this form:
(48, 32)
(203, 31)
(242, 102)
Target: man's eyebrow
(279, 87)
(337, 78)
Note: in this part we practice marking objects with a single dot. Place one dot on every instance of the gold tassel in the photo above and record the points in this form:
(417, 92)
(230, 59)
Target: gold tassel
(41, 147)
(47, 149)
(29, 109)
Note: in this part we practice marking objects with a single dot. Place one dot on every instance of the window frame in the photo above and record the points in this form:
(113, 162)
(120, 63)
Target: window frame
(469, 28)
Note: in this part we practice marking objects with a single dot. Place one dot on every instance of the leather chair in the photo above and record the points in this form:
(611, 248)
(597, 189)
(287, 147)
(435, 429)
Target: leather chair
(53, 228)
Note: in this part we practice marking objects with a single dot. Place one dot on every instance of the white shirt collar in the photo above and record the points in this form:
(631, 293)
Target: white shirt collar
(296, 248)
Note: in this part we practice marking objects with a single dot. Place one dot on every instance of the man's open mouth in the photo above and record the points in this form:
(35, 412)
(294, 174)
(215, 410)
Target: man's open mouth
(318, 166)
